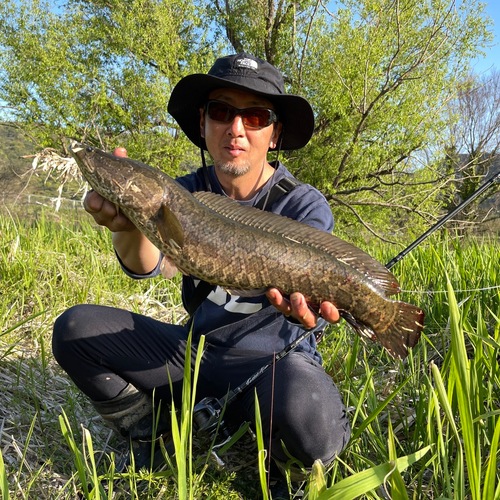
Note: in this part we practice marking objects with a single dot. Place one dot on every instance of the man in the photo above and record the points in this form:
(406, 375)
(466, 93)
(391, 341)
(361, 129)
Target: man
(238, 112)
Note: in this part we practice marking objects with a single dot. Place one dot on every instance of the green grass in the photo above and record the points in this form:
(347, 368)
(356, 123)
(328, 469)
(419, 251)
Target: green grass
(427, 427)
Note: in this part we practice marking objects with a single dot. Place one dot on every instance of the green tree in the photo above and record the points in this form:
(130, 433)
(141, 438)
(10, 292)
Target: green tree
(473, 147)
(101, 72)
(379, 74)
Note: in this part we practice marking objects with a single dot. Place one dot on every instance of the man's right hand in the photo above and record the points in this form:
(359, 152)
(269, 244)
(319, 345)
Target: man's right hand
(105, 213)
(136, 252)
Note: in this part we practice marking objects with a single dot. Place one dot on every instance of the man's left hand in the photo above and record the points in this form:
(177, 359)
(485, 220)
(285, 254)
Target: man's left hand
(297, 307)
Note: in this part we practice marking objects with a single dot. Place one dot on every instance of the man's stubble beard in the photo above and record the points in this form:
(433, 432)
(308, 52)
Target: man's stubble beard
(232, 168)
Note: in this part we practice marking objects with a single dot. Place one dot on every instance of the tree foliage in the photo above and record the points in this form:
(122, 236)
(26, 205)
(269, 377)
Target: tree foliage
(100, 71)
(378, 73)
(472, 147)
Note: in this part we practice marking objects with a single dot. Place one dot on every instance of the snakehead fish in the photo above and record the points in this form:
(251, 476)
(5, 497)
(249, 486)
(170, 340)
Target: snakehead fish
(247, 251)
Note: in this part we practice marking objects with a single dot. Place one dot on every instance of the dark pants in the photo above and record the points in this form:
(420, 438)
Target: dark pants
(103, 349)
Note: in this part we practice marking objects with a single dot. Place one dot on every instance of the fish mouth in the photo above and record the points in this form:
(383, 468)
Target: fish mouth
(76, 147)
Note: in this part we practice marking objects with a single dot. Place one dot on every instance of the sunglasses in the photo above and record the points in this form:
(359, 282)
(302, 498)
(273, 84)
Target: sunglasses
(252, 117)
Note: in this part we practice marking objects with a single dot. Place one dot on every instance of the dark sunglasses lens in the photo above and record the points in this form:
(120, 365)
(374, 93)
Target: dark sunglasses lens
(221, 112)
(252, 117)
(257, 117)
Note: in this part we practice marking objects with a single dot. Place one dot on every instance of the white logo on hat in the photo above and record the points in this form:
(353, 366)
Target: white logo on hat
(247, 63)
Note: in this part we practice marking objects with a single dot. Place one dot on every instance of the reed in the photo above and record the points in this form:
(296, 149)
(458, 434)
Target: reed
(4, 484)
(427, 427)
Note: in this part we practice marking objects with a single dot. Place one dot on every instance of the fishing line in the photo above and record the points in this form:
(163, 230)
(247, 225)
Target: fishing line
(205, 171)
(278, 149)
(470, 290)
(271, 184)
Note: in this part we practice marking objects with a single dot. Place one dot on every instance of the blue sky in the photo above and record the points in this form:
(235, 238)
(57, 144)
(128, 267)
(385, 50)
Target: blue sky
(493, 53)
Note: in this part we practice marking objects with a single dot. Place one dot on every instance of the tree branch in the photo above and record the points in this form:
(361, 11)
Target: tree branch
(360, 219)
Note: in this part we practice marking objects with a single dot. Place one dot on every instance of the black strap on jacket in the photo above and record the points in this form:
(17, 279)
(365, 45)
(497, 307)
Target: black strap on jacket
(281, 188)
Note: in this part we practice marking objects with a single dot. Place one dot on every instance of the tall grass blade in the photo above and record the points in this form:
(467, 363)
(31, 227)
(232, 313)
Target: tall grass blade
(459, 460)
(368, 480)
(261, 457)
(486, 340)
(441, 444)
(26, 447)
(87, 473)
(182, 429)
(367, 421)
(178, 434)
(360, 407)
(4, 484)
(317, 481)
(98, 489)
(460, 362)
(21, 323)
(77, 454)
(199, 355)
(489, 492)
(234, 438)
(398, 488)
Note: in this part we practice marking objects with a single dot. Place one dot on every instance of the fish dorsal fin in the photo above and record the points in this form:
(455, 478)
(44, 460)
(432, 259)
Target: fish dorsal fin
(304, 234)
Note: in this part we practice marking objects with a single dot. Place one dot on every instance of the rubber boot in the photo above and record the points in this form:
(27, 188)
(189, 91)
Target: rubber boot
(131, 415)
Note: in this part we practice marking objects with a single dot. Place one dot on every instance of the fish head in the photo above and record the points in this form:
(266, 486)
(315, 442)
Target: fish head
(101, 169)
(120, 180)
(82, 153)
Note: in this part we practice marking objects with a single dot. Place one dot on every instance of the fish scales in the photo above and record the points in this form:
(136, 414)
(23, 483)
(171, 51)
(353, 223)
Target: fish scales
(247, 250)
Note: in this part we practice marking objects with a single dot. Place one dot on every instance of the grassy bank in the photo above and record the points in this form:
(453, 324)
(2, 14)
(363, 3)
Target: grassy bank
(423, 428)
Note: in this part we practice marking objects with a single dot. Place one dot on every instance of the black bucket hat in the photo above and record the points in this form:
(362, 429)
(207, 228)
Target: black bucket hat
(248, 73)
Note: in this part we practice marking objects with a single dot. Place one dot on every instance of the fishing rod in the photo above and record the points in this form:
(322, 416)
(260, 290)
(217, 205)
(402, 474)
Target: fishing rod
(447, 217)
(207, 413)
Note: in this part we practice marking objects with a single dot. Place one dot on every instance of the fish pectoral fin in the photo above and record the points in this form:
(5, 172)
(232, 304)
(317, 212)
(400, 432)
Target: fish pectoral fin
(169, 228)
(245, 293)
(361, 329)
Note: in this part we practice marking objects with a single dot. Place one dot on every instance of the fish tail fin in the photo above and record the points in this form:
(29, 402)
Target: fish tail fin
(404, 332)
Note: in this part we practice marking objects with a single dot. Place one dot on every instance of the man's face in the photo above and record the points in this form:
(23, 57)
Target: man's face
(235, 147)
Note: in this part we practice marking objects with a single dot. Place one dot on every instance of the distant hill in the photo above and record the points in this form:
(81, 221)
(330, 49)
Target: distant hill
(16, 174)
(13, 145)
